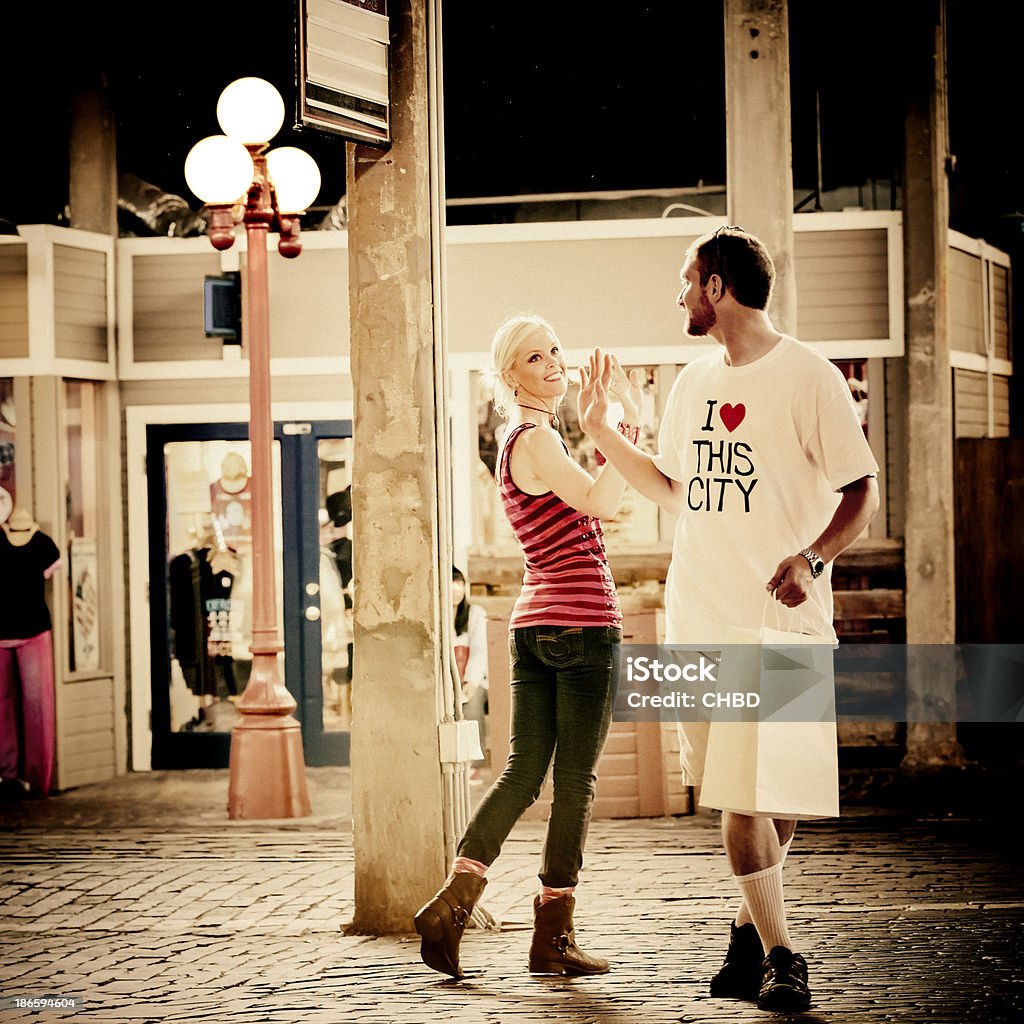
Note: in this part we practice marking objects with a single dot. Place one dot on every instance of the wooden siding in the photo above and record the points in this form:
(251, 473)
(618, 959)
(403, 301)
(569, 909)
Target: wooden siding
(966, 302)
(617, 292)
(167, 295)
(842, 282)
(80, 303)
(970, 404)
(86, 732)
(13, 302)
(308, 304)
(1001, 312)
(621, 291)
(217, 391)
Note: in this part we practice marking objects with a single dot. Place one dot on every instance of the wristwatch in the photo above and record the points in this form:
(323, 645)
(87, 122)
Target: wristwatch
(814, 561)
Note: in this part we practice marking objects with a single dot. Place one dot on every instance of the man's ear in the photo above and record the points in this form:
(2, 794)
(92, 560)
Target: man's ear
(715, 288)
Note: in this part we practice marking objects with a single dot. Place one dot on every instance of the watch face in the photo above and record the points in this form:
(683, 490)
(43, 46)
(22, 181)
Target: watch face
(819, 568)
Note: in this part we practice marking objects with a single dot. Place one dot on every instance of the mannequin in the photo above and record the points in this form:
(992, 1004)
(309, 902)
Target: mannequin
(28, 557)
(231, 509)
(231, 502)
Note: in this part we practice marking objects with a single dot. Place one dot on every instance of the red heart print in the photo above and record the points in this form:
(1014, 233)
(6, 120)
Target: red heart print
(732, 415)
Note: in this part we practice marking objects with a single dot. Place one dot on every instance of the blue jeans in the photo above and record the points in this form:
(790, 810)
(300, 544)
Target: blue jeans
(563, 689)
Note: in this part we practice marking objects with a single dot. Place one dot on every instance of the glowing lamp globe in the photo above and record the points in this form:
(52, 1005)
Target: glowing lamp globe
(219, 170)
(251, 111)
(296, 178)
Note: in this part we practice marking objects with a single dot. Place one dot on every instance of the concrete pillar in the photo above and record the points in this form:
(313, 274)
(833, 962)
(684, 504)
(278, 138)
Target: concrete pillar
(758, 148)
(930, 505)
(92, 185)
(394, 221)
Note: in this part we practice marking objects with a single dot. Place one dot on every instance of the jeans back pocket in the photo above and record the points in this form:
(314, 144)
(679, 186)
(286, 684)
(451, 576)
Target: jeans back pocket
(560, 646)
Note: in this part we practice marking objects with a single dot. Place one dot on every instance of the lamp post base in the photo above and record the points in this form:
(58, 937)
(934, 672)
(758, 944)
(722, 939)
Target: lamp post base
(267, 770)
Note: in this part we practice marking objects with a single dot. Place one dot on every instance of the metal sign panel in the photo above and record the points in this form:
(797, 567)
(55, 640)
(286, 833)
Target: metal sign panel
(342, 71)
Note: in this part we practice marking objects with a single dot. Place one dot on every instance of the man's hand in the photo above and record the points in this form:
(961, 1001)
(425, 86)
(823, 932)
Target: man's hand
(592, 401)
(791, 582)
(628, 391)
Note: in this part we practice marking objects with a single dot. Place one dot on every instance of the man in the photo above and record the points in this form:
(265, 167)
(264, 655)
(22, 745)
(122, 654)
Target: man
(763, 458)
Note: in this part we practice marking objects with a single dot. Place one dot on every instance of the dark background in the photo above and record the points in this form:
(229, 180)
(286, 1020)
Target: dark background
(552, 98)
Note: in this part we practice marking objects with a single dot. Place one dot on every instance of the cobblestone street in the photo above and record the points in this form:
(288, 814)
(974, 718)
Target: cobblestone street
(141, 898)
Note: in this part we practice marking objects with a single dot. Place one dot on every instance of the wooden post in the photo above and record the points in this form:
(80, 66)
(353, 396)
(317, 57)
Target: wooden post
(394, 219)
(92, 184)
(928, 453)
(758, 148)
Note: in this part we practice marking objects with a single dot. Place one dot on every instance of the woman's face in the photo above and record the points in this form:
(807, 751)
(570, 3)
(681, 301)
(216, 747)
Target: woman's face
(458, 592)
(539, 367)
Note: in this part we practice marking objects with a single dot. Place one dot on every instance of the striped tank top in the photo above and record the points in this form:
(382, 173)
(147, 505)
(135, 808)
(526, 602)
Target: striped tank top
(566, 580)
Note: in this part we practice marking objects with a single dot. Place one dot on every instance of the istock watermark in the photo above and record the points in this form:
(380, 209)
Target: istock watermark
(821, 681)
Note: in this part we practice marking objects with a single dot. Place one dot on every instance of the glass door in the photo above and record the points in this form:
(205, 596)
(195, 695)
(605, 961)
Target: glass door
(201, 585)
(317, 480)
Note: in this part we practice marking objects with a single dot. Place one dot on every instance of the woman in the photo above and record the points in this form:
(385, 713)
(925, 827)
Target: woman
(470, 628)
(565, 634)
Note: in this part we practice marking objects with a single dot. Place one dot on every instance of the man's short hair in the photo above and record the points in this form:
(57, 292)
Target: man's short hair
(740, 260)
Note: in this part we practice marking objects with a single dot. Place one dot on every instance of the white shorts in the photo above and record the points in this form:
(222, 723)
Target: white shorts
(775, 769)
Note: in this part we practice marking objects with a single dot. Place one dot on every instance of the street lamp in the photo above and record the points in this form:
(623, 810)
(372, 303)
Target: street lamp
(229, 171)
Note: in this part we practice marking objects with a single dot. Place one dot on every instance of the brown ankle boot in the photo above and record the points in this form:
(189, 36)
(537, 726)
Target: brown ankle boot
(443, 919)
(554, 949)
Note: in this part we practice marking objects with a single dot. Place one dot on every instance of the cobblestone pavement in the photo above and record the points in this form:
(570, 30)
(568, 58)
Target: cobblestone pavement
(101, 898)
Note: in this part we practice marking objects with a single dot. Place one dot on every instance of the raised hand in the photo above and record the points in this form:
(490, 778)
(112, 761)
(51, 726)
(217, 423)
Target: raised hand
(592, 401)
(627, 390)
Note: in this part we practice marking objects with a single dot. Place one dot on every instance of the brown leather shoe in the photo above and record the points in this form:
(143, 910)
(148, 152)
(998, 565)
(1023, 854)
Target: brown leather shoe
(554, 949)
(442, 920)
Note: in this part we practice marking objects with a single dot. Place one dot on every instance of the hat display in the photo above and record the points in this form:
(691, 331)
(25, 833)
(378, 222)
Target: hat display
(234, 473)
(21, 520)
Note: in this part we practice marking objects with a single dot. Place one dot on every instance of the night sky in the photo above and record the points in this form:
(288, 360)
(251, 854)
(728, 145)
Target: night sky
(552, 98)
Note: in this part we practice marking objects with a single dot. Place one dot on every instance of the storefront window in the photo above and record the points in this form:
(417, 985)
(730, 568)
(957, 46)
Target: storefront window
(856, 373)
(8, 490)
(80, 425)
(335, 523)
(209, 578)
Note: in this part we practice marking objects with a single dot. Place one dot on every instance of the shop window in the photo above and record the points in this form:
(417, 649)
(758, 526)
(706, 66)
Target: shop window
(209, 578)
(8, 488)
(856, 373)
(81, 473)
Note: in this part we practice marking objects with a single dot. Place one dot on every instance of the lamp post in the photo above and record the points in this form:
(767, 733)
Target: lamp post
(267, 769)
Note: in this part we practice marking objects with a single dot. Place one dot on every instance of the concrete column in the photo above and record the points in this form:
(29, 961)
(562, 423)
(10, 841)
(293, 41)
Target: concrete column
(930, 506)
(758, 148)
(92, 187)
(398, 833)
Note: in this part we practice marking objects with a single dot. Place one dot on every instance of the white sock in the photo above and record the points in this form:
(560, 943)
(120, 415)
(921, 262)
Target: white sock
(469, 866)
(548, 893)
(743, 914)
(762, 892)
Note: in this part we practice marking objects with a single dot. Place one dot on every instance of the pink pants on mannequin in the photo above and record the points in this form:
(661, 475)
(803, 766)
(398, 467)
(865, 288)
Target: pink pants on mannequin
(26, 686)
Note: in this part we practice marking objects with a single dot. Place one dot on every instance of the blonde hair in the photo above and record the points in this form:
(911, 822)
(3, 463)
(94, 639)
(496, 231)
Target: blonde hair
(507, 339)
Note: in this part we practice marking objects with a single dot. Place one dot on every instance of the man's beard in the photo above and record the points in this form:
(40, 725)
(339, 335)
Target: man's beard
(702, 319)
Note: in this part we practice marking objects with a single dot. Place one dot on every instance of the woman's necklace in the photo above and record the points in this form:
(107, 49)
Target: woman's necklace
(538, 408)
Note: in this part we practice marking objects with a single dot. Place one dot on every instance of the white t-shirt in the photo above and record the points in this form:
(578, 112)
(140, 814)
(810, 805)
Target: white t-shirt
(475, 638)
(761, 451)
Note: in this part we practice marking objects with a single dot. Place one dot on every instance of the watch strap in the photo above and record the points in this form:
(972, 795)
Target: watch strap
(815, 561)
